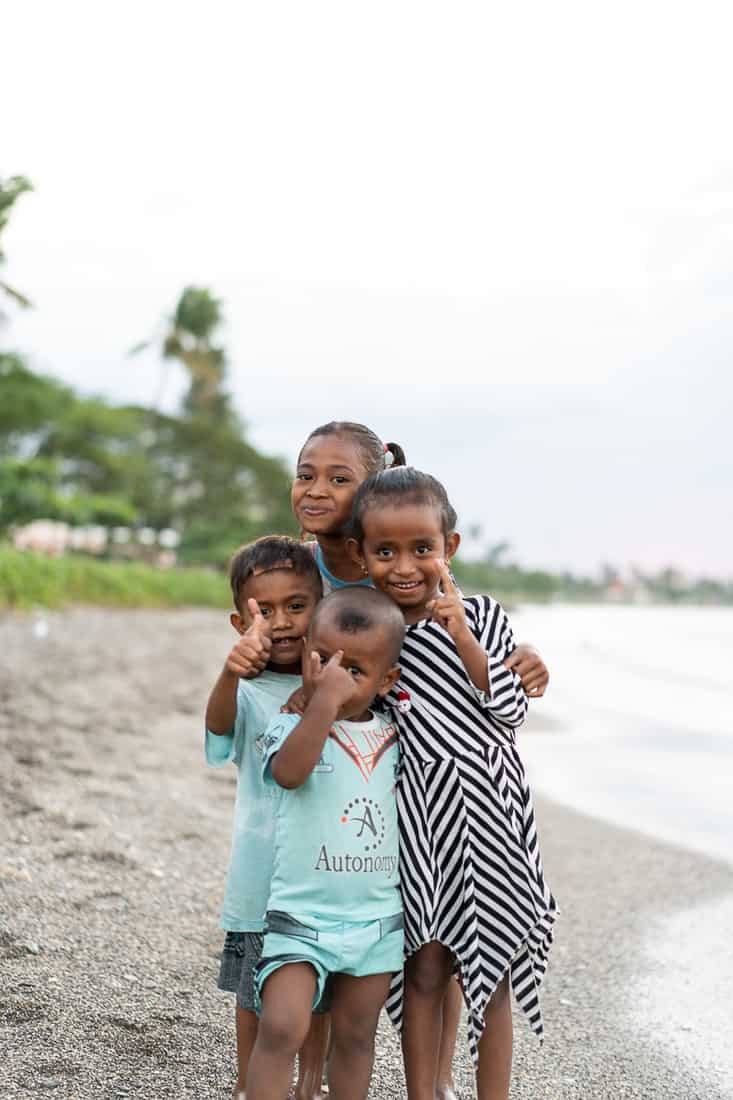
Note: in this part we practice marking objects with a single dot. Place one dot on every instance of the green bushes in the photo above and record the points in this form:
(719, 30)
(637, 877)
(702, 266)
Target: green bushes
(28, 580)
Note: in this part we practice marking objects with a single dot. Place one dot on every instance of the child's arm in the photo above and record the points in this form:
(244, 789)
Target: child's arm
(246, 659)
(500, 688)
(297, 757)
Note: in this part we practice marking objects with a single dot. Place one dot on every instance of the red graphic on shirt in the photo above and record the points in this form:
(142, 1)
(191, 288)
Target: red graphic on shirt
(377, 742)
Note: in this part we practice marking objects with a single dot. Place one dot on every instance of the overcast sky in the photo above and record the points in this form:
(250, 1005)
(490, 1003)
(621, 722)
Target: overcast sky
(499, 234)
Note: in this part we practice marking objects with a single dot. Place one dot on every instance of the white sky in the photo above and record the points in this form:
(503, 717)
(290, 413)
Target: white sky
(501, 235)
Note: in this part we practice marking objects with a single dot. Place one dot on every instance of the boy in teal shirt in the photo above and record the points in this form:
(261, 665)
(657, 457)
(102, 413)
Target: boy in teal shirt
(334, 910)
(276, 586)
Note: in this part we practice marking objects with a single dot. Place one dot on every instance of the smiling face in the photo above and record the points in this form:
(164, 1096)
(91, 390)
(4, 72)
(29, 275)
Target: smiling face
(286, 600)
(328, 474)
(366, 656)
(402, 550)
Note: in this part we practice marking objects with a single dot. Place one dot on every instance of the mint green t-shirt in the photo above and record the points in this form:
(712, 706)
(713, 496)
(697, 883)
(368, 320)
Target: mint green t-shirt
(253, 836)
(336, 835)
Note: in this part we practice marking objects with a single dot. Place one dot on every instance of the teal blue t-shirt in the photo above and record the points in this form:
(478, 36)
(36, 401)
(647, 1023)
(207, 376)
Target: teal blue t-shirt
(336, 835)
(330, 582)
(253, 837)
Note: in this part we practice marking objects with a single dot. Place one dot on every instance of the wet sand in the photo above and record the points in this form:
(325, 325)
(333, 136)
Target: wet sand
(113, 855)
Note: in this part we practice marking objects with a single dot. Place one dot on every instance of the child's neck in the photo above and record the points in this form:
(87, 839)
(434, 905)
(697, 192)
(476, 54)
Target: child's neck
(364, 716)
(417, 614)
(337, 559)
(295, 669)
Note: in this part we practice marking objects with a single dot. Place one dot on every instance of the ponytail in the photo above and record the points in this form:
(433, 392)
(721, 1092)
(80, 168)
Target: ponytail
(397, 455)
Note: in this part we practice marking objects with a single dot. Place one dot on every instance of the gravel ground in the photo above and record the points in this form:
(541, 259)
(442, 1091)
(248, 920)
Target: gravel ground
(113, 855)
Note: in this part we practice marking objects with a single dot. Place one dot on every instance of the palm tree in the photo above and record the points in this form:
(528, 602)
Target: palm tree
(10, 190)
(187, 337)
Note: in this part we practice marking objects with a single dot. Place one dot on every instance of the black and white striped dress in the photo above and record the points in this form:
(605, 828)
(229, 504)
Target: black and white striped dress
(470, 865)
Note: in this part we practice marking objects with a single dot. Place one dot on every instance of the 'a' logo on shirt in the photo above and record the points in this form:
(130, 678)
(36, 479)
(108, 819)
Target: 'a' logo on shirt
(375, 743)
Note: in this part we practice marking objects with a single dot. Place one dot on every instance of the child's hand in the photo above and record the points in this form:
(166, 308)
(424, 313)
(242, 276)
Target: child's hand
(295, 704)
(252, 652)
(530, 668)
(448, 609)
(330, 681)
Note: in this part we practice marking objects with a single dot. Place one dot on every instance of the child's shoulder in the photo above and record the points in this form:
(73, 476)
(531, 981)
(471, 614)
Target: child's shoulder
(481, 604)
(268, 685)
(485, 615)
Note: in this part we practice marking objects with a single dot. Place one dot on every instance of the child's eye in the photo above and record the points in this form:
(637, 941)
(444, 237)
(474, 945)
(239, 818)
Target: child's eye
(354, 670)
(265, 611)
(421, 551)
(296, 606)
(338, 479)
(304, 477)
(384, 552)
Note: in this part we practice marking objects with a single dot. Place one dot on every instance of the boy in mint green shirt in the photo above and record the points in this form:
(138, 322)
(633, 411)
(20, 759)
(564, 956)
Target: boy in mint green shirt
(334, 910)
(276, 586)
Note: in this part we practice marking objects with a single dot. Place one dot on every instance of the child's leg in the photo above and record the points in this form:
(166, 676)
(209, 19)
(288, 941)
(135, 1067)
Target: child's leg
(312, 1058)
(246, 1024)
(287, 1000)
(357, 1003)
(451, 1018)
(427, 976)
(495, 1047)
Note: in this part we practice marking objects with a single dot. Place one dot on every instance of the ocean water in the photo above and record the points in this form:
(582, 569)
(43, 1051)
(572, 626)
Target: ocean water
(637, 723)
(637, 729)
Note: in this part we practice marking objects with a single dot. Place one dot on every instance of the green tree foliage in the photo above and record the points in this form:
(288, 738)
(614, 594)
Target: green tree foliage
(62, 456)
(10, 191)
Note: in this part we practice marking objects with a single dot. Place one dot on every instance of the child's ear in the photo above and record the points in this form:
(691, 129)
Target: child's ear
(389, 680)
(452, 542)
(237, 622)
(354, 552)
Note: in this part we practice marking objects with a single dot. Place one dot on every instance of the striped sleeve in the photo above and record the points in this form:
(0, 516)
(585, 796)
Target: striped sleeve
(505, 698)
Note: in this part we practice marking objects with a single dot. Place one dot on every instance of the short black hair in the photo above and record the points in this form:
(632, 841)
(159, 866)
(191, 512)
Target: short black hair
(404, 485)
(373, 453)
(269, 553)
(356, 608)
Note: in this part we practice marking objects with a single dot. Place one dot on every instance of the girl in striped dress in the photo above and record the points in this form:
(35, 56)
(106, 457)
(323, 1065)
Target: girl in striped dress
(475, 899)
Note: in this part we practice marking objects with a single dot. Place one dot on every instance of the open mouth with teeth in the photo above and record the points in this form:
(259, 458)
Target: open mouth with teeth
(406, 586)
(283, 643)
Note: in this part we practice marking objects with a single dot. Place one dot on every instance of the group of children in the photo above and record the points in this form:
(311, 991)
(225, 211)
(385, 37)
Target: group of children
(384, 839)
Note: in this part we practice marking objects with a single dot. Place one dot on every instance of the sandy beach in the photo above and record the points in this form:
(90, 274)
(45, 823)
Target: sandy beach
(113, 855)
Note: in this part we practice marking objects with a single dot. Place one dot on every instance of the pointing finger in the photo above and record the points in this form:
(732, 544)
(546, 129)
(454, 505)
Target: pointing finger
(447, 583)
(335, 660)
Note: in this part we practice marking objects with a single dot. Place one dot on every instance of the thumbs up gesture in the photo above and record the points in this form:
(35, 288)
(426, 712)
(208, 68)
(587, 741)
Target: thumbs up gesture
(252, 651)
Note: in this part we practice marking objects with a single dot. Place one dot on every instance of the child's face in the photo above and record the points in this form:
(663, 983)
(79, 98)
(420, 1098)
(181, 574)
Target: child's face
(402, 550)
(286, 601)
(364, 658)
(328, 474)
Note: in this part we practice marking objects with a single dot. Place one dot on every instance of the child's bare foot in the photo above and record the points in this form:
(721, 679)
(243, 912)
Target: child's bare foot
(445, 1092)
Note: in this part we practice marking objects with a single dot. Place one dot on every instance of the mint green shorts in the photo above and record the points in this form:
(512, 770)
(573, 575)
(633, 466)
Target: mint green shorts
(358, 948)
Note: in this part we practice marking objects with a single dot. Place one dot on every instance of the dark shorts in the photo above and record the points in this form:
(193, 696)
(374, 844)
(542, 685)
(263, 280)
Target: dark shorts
(242, 951)
(241, 954)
